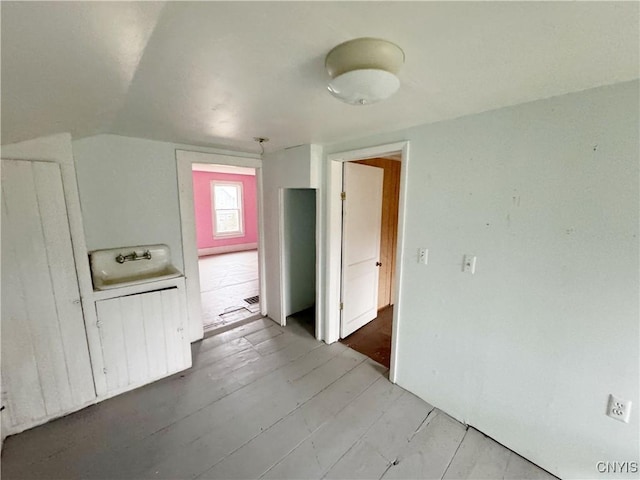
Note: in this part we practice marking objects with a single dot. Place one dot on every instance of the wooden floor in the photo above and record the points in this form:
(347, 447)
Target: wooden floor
(374, 339)
(263, 401)
(226, 280)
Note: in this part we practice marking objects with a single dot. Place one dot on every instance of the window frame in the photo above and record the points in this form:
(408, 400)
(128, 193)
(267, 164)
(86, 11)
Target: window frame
(240, 189)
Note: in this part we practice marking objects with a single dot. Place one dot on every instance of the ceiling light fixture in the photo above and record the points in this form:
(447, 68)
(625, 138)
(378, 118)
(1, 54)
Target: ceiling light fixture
(364, 70)
(261, 141)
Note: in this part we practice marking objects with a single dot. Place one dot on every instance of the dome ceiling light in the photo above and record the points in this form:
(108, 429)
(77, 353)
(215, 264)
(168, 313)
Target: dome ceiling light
(364, 70)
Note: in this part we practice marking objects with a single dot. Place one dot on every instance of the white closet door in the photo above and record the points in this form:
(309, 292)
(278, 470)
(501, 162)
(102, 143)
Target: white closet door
(46, 370)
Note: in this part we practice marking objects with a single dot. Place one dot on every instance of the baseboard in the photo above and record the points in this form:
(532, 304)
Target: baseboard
(241, 247)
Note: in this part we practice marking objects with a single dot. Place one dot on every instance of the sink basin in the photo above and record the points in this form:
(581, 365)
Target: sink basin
(125, 266)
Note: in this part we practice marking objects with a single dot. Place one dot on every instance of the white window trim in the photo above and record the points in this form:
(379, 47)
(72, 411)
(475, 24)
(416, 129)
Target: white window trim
(240, 186)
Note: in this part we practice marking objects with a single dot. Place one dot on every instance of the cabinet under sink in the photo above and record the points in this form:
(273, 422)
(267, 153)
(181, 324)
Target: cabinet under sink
(142, 337)
(140, 306)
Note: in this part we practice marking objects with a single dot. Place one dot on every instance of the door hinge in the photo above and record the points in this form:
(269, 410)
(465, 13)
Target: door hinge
(98, 323)
(104, 370)
(343, 195)
(341, 306)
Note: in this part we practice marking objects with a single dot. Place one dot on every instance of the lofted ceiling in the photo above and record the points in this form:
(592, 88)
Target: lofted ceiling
(221, 73)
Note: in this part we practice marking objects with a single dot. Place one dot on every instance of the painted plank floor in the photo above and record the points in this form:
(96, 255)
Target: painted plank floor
(225, 281)
(262, 401)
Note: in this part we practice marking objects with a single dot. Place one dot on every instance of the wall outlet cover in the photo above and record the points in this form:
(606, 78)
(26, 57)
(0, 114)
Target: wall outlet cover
(619, 409)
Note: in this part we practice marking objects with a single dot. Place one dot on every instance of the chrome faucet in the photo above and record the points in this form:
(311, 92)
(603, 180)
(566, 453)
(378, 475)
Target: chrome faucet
(133, 257)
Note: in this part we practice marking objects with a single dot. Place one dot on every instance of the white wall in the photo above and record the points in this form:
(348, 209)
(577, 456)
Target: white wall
(299, 249)
(128, 192)
(296, 167)
(527, 349)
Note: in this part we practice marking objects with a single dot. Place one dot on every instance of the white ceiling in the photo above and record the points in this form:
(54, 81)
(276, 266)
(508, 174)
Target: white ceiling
(221, 73)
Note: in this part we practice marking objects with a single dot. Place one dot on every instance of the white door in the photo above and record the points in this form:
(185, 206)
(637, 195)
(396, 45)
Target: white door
(361, 222)
(46, 369)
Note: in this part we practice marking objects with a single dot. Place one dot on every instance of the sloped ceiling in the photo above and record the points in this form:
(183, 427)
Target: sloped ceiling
(221, 73)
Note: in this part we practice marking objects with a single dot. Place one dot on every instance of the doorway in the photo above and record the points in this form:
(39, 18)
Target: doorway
(226, 214)
(227, 270)
(298, 252)
(374, 337)
(332, 284)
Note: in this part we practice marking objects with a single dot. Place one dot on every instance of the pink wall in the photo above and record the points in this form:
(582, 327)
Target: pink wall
(204, 218)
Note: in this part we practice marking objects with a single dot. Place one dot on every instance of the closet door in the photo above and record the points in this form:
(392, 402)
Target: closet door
(46, 370)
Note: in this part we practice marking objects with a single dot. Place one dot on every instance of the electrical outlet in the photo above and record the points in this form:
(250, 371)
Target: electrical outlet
(423, 255)
(619, 409)
(469, 264)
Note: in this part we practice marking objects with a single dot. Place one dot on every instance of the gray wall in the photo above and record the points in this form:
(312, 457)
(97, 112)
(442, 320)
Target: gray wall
(299, 249)
(529, 348)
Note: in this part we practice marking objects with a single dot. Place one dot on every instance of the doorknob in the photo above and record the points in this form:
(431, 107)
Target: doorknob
(378, 264)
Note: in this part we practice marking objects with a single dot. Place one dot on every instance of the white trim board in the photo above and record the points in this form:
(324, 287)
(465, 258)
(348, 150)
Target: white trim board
(184, 161)
(240, 247)
(228, 169)
(331, 322)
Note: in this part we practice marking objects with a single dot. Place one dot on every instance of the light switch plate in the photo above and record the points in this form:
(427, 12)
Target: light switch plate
(423, 255)
(469, 264)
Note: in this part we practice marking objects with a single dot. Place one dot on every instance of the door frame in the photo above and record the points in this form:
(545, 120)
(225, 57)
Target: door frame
(184, 161)
(332, 281)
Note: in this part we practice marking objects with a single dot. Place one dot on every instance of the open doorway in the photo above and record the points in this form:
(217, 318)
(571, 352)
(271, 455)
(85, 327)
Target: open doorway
(226, 215)
(298, 252)
(230, 218)
(372, 337)
(331, 324)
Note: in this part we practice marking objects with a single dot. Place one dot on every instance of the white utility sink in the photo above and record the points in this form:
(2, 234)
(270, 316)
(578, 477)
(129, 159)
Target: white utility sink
(121, 267)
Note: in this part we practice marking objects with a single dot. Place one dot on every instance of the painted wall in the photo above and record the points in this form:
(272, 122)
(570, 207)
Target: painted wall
(528, 349)
(300, 249)
(204, 219)
(129, 196)
(296, 167)
(128, 192)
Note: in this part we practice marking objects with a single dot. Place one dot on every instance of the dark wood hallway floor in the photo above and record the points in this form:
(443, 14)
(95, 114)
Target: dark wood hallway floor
(374, 339)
